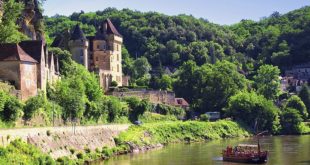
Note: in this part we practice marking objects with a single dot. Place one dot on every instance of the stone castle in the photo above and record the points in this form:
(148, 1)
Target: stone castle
(101, 53)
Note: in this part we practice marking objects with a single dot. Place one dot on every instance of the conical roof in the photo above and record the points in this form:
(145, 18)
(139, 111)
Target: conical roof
(77, 34)
(111, 28)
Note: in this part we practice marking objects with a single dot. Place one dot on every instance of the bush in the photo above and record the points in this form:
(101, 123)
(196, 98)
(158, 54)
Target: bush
(296, 103)
(114, 84)
(10, 107)
(33, 105)
(116, 109)
(290, 121)
(137, 107)
(170, 110)
(204, 117)
(80, 155)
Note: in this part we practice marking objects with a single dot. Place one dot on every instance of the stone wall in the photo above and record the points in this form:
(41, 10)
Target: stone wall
(155, 97)
(57, 141)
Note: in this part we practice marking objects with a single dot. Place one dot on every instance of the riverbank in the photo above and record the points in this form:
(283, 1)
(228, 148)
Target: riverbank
(137, 138)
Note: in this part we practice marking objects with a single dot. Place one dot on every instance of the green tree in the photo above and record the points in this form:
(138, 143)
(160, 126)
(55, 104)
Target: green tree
(8, 28)
(141, 68)
(295, 102)
(253, 109)
(115, 109)
(267, 81)
(290, 121)
(221, 82)
(137, 107)
(33, 105)
(281, 56)
(304, 95)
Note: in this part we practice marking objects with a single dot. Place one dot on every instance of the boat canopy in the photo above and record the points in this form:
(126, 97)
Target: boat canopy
(247, 145)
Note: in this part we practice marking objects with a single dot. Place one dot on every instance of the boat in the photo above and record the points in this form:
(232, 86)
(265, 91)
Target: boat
(245, 153)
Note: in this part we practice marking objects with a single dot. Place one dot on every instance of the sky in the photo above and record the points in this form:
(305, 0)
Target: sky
(217, 11)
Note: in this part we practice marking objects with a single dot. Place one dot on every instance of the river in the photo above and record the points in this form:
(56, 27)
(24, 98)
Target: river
(283, 150)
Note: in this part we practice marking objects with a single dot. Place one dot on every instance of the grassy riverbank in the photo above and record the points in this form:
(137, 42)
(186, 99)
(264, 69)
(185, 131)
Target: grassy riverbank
(173, 132)
(136, 137)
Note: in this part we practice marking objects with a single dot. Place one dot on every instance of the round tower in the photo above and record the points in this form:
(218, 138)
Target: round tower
(78, 46)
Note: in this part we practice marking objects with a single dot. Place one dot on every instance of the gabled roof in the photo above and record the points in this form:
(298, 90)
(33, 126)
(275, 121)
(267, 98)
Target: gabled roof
(33, 48)
(181, 101)
(111, 28)
(13, 52)
(77, 33)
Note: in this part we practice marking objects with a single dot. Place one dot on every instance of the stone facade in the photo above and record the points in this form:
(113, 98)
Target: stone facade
(101, 53)
(19, 69)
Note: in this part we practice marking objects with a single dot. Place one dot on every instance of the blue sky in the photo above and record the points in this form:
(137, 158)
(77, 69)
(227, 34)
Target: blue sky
(217, 11)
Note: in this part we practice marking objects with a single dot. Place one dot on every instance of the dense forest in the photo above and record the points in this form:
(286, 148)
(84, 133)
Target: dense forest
(164, 40)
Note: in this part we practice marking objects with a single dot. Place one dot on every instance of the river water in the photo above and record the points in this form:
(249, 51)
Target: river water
(283, 150)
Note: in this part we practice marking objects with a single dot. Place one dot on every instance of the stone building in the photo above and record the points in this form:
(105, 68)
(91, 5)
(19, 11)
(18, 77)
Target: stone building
(101, 53)
(28, 67)
(19, 69)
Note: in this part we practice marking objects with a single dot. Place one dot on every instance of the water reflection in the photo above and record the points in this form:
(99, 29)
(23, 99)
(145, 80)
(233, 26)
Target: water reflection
(284, 150)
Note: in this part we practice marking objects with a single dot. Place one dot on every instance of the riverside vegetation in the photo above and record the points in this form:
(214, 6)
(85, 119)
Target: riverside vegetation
(147, 136)
(231, 69)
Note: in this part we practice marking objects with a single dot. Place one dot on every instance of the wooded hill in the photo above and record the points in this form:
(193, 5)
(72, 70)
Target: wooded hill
(172, 40)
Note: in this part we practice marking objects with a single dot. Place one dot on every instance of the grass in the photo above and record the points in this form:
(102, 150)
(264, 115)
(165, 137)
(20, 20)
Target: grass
(305, 128)
(172, 132)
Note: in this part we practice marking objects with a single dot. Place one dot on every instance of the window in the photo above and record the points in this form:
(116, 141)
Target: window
(117, 47)
(117, 68)
(117, 57)
(97, 59)
(98, 46)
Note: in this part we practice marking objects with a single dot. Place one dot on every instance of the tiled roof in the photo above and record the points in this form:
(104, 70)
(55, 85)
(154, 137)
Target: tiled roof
(111, 28)
(181, 101)
(13, 52)
(77, 34)
(33, 48)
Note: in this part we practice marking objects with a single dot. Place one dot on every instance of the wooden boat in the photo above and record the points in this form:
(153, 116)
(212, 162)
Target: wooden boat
(245, 153)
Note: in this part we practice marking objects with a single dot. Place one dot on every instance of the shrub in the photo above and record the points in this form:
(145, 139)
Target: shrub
(204, 117)
(33, 105)
(290, 121)
(296, 103)
(12, 109)
(114, 84)
(170, 110)
(80, 155)
(137, 107)
(87, 150)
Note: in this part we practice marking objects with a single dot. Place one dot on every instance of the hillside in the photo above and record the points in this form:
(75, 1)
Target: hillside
(172, 40)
